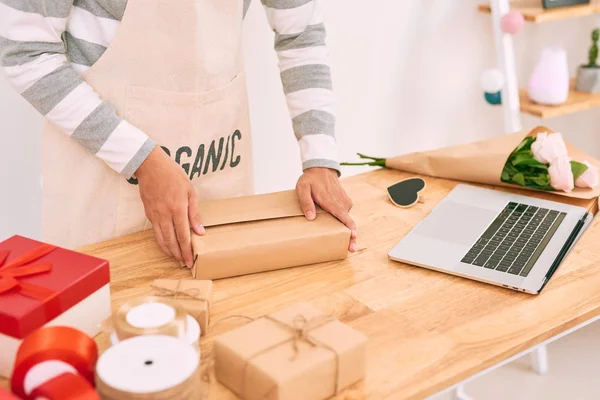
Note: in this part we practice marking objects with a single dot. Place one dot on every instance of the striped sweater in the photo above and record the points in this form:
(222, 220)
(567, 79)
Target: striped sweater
(45, 46)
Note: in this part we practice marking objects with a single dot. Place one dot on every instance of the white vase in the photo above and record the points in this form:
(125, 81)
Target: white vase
(549, 82)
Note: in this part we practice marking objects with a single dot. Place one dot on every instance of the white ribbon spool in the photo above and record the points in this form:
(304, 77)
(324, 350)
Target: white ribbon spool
(150, 315)
(148, 367)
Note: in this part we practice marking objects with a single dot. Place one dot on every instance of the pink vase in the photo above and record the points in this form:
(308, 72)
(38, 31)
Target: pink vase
(549, 82)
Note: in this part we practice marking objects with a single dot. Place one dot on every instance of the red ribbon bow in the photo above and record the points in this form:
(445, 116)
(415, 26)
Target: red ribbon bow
(21, 267)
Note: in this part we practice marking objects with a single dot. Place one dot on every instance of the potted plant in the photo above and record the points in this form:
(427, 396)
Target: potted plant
(588, 76)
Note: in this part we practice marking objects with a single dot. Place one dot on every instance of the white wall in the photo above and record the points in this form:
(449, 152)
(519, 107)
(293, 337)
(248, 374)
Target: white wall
(20, 161)
(406, 77)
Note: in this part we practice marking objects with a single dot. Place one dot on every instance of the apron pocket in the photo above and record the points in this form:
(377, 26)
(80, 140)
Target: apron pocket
(206, 133)
(184, 99)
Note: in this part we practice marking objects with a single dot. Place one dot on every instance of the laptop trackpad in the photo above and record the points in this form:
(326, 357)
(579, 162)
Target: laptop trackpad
(456, 223)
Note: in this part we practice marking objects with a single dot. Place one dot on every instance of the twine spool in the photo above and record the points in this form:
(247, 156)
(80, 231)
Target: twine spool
(150, 316)
(192, 335)
(152, 367)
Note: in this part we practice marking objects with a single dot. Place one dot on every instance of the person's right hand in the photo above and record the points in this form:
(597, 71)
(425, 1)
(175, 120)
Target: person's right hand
(171, 205)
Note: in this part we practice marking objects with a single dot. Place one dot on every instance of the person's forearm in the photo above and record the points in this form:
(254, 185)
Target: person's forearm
(32, 56)
(305, 73)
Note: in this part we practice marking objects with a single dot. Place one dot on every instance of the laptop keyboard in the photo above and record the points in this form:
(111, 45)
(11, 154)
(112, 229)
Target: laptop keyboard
(516, 239)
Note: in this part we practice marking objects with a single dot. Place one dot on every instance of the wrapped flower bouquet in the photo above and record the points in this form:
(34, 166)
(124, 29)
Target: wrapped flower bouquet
(542, 162)
(536, 160)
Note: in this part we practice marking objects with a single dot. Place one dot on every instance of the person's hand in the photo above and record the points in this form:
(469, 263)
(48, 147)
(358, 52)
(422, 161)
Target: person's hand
(322, 186)
(171, 205)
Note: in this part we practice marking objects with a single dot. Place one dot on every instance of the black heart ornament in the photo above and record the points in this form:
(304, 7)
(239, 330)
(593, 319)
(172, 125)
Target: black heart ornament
(406, 193)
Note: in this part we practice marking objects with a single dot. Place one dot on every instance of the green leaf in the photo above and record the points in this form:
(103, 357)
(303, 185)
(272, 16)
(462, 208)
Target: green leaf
(527, 159)
(525, 144)
(542, 181)
(524, 152)
(523, 169)
(510, 168)
(519, 179)
(520, 159)
(578, 168)
(535, 168)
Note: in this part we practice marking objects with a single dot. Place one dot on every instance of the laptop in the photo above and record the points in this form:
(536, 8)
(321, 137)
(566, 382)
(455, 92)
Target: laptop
(503, 239)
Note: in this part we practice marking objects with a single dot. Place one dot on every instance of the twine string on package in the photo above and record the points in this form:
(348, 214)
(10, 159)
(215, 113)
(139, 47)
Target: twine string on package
(300, 332)
(190, 294)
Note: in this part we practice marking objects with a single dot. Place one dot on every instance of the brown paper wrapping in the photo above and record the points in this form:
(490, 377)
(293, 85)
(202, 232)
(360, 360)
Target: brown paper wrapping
(260, 233)
(193, 296)
(296, 354)
(482, 162)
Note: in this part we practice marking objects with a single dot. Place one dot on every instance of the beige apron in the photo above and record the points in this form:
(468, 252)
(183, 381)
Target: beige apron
(174, 71)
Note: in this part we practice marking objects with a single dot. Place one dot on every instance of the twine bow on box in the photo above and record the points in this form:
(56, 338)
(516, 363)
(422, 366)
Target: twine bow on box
(192, 296)
(178, 293)
(11, 273)
(300, 331)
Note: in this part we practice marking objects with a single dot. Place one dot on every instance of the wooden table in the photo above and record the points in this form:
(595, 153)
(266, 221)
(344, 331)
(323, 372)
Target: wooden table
(427, 330)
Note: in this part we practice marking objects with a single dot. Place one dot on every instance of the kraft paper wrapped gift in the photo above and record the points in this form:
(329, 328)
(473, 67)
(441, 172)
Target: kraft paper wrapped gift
(295, 354)
(483, 162)
(191, 295)
(252, 234)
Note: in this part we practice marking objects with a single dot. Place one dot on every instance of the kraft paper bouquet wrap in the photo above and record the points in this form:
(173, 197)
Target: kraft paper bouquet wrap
(506, 160)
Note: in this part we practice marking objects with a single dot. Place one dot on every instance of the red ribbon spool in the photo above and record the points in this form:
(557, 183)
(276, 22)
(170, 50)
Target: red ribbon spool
(55, 343)
(66, 387)
(6, 395)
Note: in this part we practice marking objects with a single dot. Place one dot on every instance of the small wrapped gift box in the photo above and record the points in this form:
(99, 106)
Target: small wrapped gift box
(296, 354)
(193, 296)
(251, 234)
(41, 285)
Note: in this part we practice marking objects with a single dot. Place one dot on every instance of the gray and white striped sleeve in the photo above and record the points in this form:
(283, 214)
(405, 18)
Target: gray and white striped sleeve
(306, 77)
(33, 57)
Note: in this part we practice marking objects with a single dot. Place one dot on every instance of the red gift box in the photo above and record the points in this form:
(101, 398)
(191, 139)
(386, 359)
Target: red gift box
(40, 282)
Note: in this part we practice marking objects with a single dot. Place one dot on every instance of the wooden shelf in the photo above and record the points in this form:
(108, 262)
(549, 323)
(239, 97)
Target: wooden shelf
(534, 12)
(577, 101)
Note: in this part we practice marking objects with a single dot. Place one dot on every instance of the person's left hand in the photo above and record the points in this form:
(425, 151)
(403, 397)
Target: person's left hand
(322, 186)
